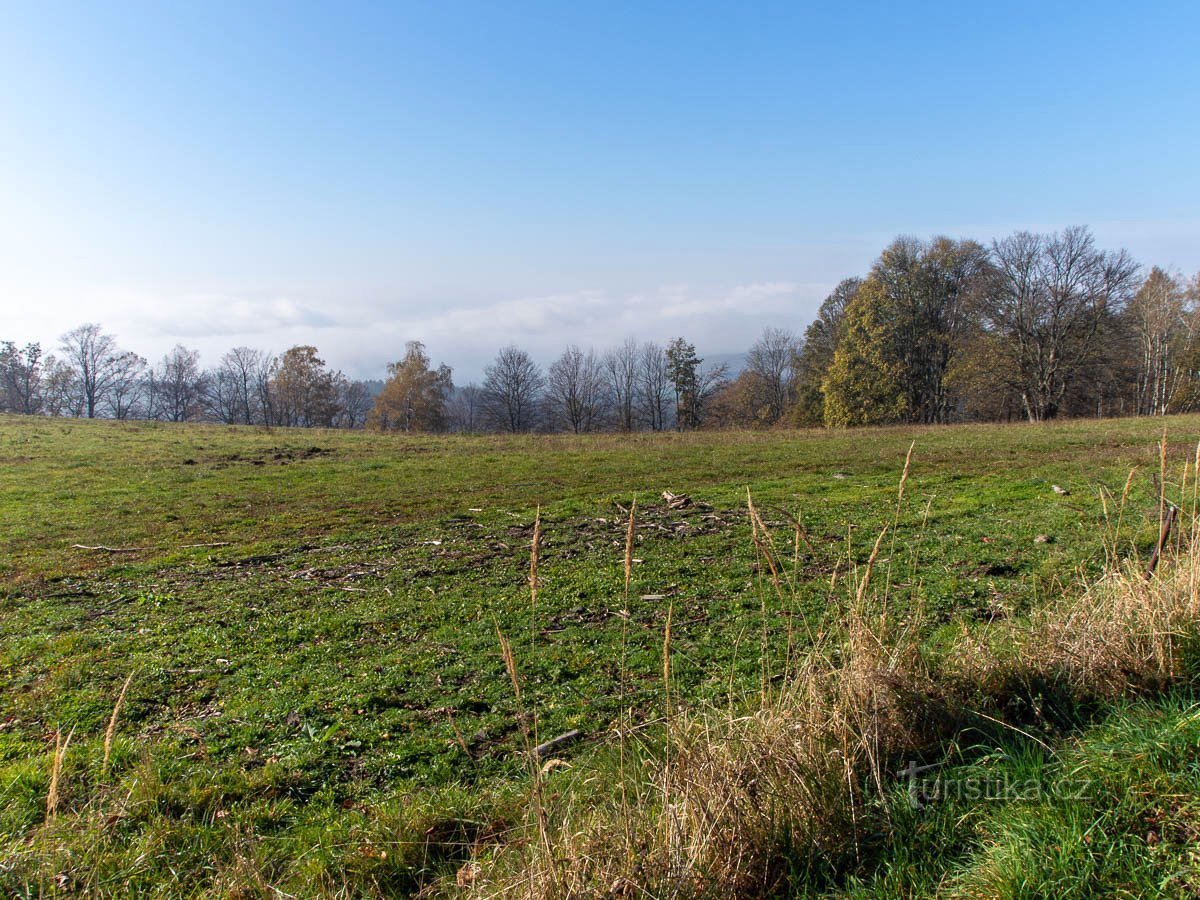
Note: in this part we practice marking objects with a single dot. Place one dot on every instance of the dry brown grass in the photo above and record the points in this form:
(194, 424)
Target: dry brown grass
(111, 731)
(1124, 634)
(56, 766)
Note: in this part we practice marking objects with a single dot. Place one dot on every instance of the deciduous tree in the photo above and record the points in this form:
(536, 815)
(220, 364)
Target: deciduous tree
(621, 377)
(466, 409)
(127, 395)
(906, 323)
(864, 383)
(302, 391)
(816, 354)
(512, 391)
(575, 394)
(1051, 295)
(654, 387)
(354, 402)
(21, 378)
(177, 386)
(770, 376)
(239, 387)
(415, 395)
(98, 366)
(1162, 322)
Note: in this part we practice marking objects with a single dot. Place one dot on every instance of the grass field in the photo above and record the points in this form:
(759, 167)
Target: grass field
(318, 700)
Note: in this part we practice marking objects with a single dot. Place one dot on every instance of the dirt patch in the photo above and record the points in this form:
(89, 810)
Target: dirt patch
(271, 456)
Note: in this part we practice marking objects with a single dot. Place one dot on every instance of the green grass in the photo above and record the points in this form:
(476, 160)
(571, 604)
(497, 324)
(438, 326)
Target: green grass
(1114, 810)
(321, 683)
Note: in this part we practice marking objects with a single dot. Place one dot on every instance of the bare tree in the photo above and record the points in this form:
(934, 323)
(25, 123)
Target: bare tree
(621, 377)
(354, 401)
(178, 388)
(770, 366)
(1160, 318)
(466, 409)
(97, 363)
(222, 399)
(264, 390)
(127, 395)
(237, 388)
(575, 391)
(512, 390)
(654, 387)
(1051, 296)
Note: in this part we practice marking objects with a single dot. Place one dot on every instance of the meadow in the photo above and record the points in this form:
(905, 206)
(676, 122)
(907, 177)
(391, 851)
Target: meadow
(279, 655)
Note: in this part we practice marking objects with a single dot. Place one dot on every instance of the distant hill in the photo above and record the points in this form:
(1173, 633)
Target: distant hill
(735, 361)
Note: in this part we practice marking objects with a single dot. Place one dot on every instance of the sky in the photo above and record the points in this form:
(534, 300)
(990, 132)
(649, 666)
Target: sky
(355, 176)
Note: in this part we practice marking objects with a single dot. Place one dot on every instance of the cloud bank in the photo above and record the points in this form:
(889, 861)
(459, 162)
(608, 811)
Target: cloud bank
(362, 336)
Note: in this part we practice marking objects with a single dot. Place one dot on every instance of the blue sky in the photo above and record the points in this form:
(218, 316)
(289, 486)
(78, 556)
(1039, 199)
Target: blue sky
(355, 176)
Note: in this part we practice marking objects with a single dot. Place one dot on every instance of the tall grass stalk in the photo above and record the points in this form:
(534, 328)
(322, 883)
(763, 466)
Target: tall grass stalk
(624, 721)
(56, 766)
(111, 731)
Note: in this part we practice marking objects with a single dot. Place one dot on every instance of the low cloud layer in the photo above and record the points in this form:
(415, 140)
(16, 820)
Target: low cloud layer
(361, 337)
(361, 329)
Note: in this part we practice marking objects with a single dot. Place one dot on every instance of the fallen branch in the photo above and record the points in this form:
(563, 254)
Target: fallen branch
(104, 549)
(100, 548)
(569, 737)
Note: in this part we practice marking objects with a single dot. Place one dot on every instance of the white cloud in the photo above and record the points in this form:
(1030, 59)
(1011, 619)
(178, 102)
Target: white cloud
(717, 320)
(218, 315)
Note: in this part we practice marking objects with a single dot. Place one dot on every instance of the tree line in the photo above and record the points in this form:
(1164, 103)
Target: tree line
(91, 376)
(633, 386)
(1034, 326)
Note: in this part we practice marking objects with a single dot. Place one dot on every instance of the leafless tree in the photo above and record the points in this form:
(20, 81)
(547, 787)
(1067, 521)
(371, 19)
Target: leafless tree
(1051, 295)
(264, 390)
(654, 387)
(178, 389)
(126, 397)
(238, 386)
(770, 366)
(222, 399)
(1162, 321)
(354, 400)
(97, 363)
(621, 377)
(465, 409)
(512, 390)
(575, 391)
